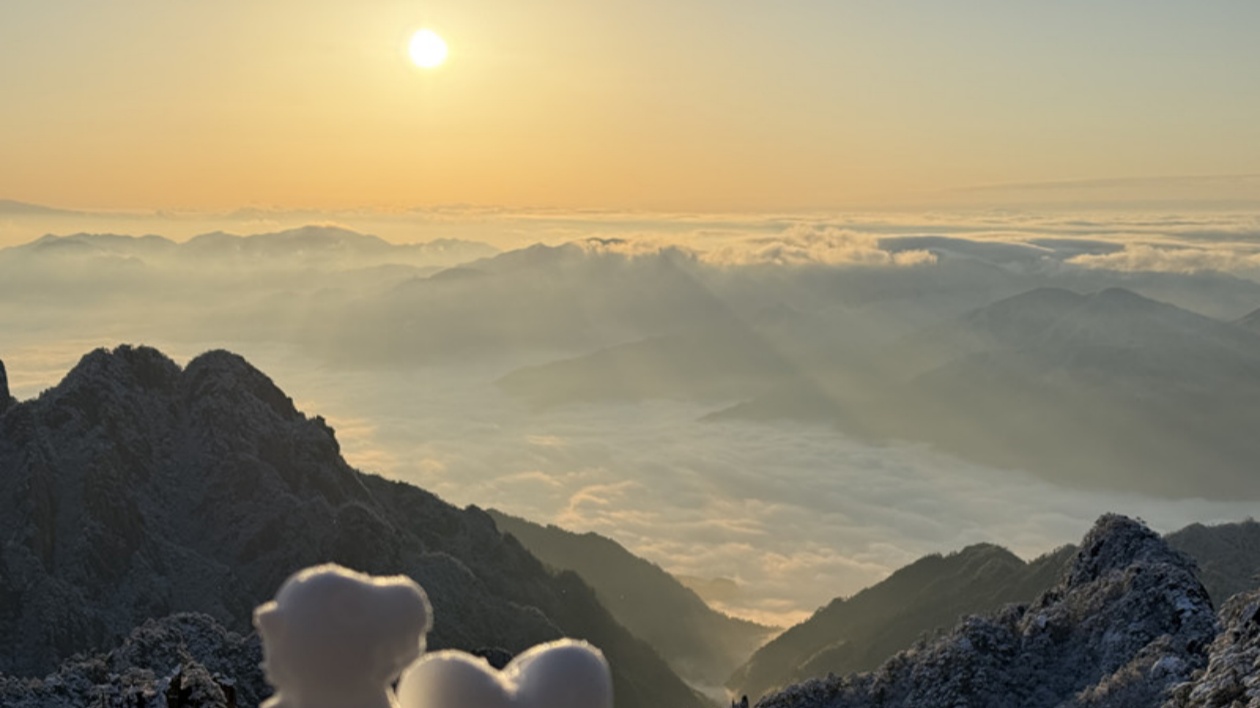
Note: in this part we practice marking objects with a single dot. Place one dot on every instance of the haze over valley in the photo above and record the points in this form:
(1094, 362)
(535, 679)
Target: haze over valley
(753, 405)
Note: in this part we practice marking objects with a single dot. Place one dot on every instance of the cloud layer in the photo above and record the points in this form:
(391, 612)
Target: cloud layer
(793, 514)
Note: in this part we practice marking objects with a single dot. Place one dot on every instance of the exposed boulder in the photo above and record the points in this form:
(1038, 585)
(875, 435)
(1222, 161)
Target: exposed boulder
(1232, 676)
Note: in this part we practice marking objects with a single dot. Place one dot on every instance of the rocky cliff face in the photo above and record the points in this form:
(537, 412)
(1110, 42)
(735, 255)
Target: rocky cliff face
(135, 489)
(859, 633)
(1232, 676)
(1127, 624)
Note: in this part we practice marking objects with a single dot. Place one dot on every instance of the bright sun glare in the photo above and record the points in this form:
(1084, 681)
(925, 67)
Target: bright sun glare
(427, 49)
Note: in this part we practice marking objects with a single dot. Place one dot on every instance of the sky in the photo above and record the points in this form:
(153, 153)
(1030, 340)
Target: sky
(694, 106)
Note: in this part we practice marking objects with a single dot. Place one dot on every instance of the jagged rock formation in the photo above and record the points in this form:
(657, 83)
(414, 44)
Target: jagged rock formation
(859, 633)
(1232, 676)
(135, 489)
(704, 646)
(930, 596)
(1127, 622)
(181, 661)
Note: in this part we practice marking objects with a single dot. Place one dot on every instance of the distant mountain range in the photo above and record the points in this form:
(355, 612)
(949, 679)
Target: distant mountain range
(135, 489)
(1108, 389)
(861, 632)
(307, 246)
(8, 206)
(1127, 624)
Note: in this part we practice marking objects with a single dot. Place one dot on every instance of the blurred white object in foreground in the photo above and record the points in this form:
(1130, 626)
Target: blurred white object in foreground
(334, 638)
(560, 674)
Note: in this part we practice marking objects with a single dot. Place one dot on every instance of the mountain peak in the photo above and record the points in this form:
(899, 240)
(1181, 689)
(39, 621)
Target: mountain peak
(1128, 623)
(1116, 542)
(223, 373)
(141, 367)
(1124, 300)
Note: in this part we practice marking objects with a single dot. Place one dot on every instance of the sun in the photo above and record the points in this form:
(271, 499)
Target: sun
(427, 49)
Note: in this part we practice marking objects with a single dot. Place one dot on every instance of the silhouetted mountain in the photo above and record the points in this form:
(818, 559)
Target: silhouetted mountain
(702, 645)
(302, 247)
(541, 299)
(135, 489)
(10, 207)
(1126, 625)
(933, 593)
(1228, 556)
(859, 633)
(719, 363)
(1107, 390)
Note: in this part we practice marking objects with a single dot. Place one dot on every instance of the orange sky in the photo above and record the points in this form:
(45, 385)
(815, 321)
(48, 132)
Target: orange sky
(699, 106)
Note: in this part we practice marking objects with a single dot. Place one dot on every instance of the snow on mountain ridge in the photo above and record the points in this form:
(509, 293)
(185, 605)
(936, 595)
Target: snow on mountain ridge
(1127, 624)
(135, 489)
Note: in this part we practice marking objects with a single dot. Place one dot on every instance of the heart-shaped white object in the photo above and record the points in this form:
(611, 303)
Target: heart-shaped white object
(561, 674)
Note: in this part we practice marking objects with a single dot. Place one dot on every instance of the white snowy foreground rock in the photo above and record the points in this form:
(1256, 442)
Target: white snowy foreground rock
(334, 638)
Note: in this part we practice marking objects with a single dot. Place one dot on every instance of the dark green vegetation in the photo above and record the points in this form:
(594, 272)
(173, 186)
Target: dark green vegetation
(704, 646)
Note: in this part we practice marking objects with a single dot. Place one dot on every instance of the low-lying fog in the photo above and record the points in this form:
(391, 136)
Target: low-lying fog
(798, 407)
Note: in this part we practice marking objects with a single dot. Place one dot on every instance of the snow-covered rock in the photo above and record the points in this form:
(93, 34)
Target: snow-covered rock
(1232, 676)
(181, 661)
(137, 489)
(1127, 622)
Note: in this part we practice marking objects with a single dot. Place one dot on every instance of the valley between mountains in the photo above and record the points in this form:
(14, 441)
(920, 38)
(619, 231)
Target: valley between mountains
(150, 506)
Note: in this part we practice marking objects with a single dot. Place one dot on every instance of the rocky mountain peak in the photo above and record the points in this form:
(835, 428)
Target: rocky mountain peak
(127, 367)
(1127, 624)
(223, 375)
(1115, 543)
(135, 489)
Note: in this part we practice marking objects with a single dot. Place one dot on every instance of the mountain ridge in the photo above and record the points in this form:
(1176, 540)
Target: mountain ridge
(137, 488)
(1127, 624)
(703, 645)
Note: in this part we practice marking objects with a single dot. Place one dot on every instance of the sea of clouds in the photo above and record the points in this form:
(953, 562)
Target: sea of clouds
(795, 514)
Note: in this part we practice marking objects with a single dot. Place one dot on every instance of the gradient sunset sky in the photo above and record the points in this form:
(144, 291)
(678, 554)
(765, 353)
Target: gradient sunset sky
(730, 105)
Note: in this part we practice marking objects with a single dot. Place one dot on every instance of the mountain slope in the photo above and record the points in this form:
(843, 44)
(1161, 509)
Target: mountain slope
(1106, 390)
(861, 632)
(1228, 556)
(134, 489)
(932, 594)
(1126, 625)
(702, 645)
